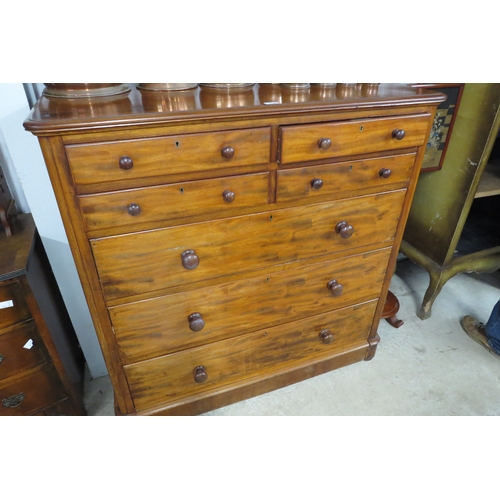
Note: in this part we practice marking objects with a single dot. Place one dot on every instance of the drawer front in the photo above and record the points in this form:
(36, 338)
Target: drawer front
(161, 203)
(28, 394)
(158, 326)
(21, 350)
(92, 163)
(302, 142)
(153, 260)
(339, 178)
(171, 377)
(13, 307)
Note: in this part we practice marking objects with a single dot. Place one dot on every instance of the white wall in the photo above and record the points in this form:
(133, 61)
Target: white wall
(29, 183)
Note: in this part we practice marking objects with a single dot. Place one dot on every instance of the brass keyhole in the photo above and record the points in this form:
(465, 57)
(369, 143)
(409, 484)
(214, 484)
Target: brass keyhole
(361, 128)
(181, 190)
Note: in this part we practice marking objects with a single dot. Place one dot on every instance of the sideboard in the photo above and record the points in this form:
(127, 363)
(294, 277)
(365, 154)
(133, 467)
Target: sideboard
(231, 242)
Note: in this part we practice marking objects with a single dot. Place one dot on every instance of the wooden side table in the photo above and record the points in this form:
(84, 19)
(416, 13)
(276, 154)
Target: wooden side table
(41, 365)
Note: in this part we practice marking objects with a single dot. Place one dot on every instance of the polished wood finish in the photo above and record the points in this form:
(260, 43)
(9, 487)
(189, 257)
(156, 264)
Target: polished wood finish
(240, 283)
(40, 363)
(135, 263)
(300, 142)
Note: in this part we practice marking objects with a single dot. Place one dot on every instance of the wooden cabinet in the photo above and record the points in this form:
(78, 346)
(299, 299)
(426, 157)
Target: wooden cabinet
(230, 247)
(450, 207)
(41, 366)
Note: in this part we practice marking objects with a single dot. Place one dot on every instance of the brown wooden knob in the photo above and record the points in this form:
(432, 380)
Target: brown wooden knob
(200, 374)
(196, 322)
(134, 209)
(227, 152)
(335, 288)
(326, 337)
(385, 173)
(316, 183)
(344, 229)
(189, 259)
(398, 134)
(228, 196)
(126, 163)
(324, 143)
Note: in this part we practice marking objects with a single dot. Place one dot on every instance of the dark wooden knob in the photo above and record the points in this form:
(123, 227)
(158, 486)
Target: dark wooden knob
(227, 152)
(316, 183)
(324, 143)
(335, 288)
(228, 196)
(189, 259)
(344, 229)
(385, 173)
(326, 337)
(126, 163)
(398, 134)
(196, 322)
(134, 209)
(200, 374)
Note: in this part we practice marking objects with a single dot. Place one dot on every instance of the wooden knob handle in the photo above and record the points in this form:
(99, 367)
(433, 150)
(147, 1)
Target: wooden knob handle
(398, 134)
(326, 337)
(126, 163)
(134, 209)
(227, 152)
(344, 229)
(200, 374)
(228, 196)
(324, 143)
(196, 322)
(189, 259)
(316, 183)
(385, 173)
(335, 288)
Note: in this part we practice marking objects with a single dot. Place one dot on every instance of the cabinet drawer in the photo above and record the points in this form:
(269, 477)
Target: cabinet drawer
(153, 260)
(92, 163)
(28, 394)
(13, 307)
(21, 350)
(158, 326)
(302, 142)
(230, 361)
(339, 178)
(174, 200)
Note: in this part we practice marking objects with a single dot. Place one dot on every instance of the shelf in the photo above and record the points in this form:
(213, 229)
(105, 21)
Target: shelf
(489, 184)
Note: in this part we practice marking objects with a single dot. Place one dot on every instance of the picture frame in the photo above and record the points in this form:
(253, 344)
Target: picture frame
(446, 113)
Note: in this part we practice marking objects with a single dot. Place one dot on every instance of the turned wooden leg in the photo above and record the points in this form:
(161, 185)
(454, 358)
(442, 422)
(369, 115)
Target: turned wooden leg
(391, 307)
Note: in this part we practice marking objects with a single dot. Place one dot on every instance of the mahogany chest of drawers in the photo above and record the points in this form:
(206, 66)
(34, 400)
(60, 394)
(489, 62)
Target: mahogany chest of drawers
(41, 366)
(233, 242)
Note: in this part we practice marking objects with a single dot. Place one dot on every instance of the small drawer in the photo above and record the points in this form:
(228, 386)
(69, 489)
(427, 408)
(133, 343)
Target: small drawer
(126, 160)
(154, 327)
(29, 394)
(300, 143)
(340, 178)
(21, 350)
(153, 260)
(219, 364)
(13, 306)
(172, 201)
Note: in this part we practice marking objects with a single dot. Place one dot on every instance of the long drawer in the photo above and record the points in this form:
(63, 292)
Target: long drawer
(22, 395)
(21, 350)
(158, 326)
(167, 202)
(153, 260)
(127, 160)
(13, 306)
(201, 369)
(337, 179)
(334, 139)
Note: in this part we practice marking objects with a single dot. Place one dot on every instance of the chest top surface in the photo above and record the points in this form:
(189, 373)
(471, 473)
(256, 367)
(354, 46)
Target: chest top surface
(51, 116)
